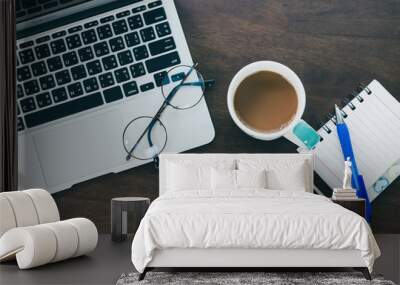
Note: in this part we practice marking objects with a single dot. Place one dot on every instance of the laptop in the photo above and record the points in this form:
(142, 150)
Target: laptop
(85, 69)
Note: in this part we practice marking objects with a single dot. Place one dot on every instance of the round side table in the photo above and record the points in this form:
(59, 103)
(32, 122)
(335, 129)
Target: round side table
(119, 215)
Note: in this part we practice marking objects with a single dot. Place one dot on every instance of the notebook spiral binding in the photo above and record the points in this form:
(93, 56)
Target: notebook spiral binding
(347, 102)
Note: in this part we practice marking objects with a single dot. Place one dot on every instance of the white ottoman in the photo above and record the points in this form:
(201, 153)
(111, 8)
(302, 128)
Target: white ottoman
(31, 232)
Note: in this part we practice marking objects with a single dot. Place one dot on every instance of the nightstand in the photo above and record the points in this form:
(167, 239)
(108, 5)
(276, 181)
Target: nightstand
(119, 215)
(355, 205)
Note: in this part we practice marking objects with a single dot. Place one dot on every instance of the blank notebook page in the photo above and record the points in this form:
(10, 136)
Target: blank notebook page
(373, 120)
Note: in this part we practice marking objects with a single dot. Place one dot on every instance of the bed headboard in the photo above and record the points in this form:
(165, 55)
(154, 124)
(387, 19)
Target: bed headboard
(208, 157)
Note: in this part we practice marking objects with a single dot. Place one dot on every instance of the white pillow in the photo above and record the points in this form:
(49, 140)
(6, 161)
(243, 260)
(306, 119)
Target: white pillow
(281, 174)
(223, 179)
(183, 178)
(251, 178)
(193, 174)
(293, 179)
(235, 179)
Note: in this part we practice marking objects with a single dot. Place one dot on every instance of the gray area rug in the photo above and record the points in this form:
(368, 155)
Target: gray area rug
(233, 278)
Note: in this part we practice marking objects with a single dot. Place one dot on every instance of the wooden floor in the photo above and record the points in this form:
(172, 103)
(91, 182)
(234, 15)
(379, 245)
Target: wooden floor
(103, 266)
(110, 260)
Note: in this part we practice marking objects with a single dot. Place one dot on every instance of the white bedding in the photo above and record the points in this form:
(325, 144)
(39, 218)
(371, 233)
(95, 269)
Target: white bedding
(250, 218)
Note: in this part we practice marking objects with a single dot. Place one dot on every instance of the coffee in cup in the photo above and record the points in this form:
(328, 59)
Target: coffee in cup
(266, 101)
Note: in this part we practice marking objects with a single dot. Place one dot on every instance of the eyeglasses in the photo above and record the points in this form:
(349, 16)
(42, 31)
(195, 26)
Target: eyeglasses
(145, 137)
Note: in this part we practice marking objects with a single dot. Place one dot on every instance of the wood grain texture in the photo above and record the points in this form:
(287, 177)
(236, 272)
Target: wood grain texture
(332, 46)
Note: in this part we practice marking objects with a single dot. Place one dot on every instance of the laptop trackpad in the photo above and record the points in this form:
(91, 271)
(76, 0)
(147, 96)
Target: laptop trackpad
(79, 148)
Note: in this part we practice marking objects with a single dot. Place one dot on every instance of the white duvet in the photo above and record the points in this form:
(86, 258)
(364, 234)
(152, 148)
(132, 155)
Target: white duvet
(250, 219)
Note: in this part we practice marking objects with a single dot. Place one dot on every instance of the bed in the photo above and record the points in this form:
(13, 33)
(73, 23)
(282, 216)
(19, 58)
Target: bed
(246, 211)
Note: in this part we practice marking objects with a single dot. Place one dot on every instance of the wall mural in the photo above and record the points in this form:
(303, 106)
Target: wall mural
(105, 86)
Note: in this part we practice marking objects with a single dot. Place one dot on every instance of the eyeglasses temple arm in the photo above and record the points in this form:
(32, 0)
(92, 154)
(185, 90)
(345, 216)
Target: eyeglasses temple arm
(160, 110)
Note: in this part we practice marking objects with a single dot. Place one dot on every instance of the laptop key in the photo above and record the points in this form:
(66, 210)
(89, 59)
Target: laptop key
(89, 36)
(20, 124)
(162, 62)
(34, 10)
(26, 44)
(109, 62)
(137, 69)
(85, 53)
(75, 89)
(73, 41)
(70, 58)
(26, 56)
(120, 27)
(42, 51)
(45, 1)
(101, 49)
(43, 99)
(63, 77)
(42, 39)
(130, 88)
(94, 67)
(125, 57)
(146, 87)
(51, 4)
(163, 29)
(140, 52)
(104, 32)
(178, 76)
(59, 94)
(31, 87)
(58, 46)
(107, 19)
(78, 72)
(113, 94)
(58, 34)
(161, 78)
(117, 44)
(28, 4)
(154, 16)
(39, 68)
(47, 82)
(147, 34)
(20, 92)
(139, 9)
(154, 4)
(27, 104)
(90, 84)
(91, 24)
(63, 110)
(132, 39)
(54, 63)
(23, 73)
(162, 46)
(121, 74)
(106, 80)
(123, 14)
(135, 22)
(20, 13)
(74, 29)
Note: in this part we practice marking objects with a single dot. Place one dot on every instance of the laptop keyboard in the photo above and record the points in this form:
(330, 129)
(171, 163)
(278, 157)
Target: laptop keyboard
(93, 64)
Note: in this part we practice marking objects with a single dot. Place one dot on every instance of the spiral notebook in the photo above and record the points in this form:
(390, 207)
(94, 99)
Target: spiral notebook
(373, 119)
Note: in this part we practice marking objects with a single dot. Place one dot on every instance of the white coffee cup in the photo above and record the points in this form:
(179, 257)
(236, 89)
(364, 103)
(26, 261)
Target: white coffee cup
(297, 131)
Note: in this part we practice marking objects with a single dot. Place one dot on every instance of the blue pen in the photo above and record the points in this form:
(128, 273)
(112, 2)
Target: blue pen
(357, 179)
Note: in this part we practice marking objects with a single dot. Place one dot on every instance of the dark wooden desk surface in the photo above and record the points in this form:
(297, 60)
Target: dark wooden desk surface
(331, 45)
